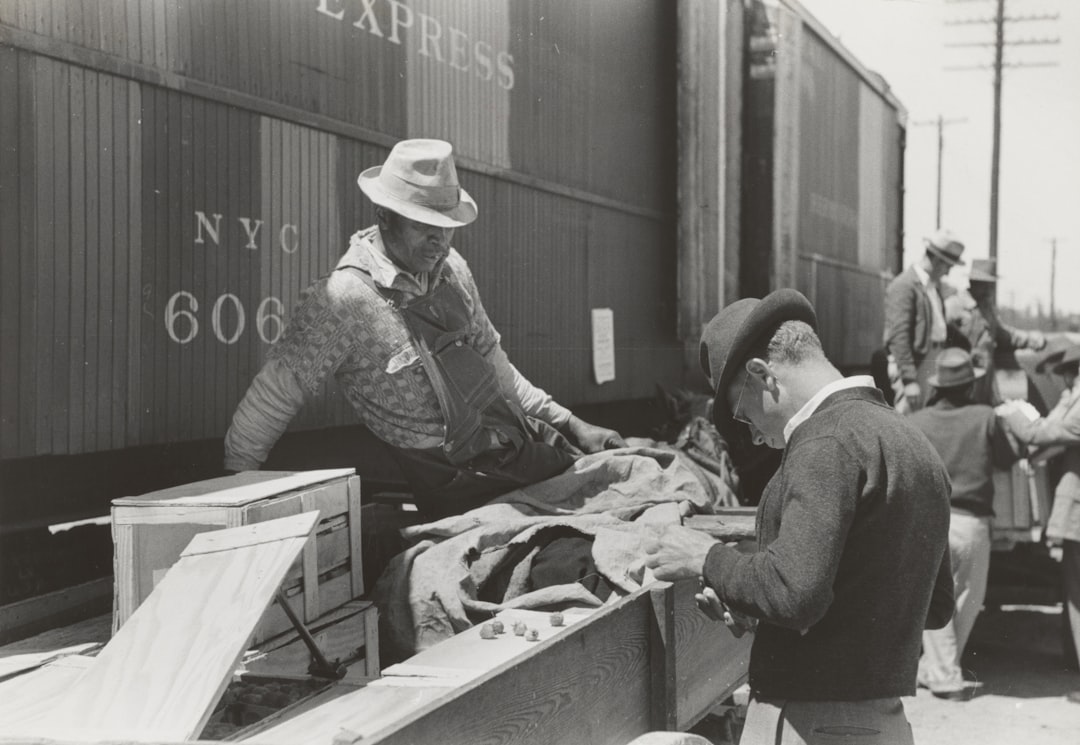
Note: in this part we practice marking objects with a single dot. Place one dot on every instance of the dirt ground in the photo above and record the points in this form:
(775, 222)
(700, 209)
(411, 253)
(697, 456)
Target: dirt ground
(1015, 658)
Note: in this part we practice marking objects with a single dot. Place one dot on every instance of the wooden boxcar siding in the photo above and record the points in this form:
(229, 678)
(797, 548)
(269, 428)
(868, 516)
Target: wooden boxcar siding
(148, 218)
(850, 147)
(590, 103)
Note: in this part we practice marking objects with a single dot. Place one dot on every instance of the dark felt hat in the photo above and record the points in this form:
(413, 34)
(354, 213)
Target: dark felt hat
(982, 270)
(954, 369)
(730, 336)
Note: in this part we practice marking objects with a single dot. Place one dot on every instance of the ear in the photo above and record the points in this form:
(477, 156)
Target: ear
(761, 370)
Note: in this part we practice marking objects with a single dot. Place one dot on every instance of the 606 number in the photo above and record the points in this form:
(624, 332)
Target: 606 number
(183, 325)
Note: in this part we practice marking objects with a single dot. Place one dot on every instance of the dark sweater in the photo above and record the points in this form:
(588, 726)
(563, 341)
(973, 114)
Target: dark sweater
(853, 556)
(971, 441)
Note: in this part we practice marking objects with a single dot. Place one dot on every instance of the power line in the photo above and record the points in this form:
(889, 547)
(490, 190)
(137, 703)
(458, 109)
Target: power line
(999, 20)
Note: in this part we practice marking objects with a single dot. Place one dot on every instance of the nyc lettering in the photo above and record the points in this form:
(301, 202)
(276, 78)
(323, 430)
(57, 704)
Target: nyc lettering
(288, 236)
(461, 53)
(182, 309)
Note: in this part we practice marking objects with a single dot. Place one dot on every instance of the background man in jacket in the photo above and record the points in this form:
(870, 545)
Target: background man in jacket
(972, 442)
(915, 325)
(973, 320)
(852, 532)
(1061, 428)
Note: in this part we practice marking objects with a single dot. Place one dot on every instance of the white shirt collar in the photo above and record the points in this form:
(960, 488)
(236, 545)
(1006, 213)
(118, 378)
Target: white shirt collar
(922, 274)
(855, 381)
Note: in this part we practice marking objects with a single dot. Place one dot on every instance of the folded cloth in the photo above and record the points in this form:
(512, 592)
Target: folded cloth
(432, 590)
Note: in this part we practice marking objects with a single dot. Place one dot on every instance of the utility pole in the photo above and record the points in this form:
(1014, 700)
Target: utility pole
(940, 122)
(1053, 281)
(999, 20)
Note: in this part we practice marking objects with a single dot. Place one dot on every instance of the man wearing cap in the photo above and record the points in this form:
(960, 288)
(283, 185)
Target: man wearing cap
(852, 533)
(972, 442)
(973, 316)
(915, 325)
(1061, 428)
(400, 325)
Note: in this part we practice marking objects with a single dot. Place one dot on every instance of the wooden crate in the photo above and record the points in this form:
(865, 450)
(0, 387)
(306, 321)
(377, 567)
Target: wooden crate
(150, 531)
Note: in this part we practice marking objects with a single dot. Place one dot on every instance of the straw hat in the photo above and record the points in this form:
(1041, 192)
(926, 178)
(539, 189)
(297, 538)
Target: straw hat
(419, 181)
(945, 245)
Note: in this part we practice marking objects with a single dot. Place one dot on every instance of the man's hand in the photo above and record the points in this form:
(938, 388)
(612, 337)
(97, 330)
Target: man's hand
(592, 439)
(677, 552)
(1036, 340)
(711, 605)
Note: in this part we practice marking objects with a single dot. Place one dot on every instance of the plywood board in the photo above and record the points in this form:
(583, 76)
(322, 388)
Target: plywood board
(162, 673)
(33, 696)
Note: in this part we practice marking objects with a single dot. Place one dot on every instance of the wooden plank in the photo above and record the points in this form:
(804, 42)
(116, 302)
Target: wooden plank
(28, 616)
(191, 632)
(73, 319)
(34, 696)
(29, 341)
(710, 662)
(17, 664)
(10, 275)
(590, 684)
(133, 166)
(103, 422)
(724, 527)
(356, 552)
(265, 484)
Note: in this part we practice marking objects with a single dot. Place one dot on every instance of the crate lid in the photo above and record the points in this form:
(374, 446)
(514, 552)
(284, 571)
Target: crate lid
(160, 677)
(236, 490)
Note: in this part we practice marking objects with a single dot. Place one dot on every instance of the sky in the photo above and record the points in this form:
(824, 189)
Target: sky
(1039, 184)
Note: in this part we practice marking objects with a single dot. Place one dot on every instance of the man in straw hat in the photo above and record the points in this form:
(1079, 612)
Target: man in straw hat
(915, 326)
(972, 442)
(852, 532)
(972, 316)
(400, 326)
(1061, 428)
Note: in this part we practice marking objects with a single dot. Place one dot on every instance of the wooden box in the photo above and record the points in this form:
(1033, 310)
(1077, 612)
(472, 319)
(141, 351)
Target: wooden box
(151, 530)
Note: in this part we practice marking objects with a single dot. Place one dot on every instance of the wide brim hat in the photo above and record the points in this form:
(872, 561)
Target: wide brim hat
(954, 368)
(1071, 356)
(734, 332)
(945, 245)
(419, 181)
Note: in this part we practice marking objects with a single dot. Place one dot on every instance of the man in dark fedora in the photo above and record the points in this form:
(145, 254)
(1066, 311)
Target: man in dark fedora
(400, 325)
(915, 325)
(972, 316)
(972, 442)
(852, 533)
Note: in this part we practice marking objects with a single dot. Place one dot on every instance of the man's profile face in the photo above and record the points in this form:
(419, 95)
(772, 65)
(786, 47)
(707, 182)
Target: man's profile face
(745, 401)
(938, 267)
(414, 246)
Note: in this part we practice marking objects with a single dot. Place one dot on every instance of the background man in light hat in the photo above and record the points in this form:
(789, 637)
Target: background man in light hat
(972, 315)
(915, 325)
(972, 442)
(400, 325)
(852, 559)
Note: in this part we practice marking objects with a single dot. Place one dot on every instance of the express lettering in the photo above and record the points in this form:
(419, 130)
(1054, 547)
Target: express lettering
(444, 44)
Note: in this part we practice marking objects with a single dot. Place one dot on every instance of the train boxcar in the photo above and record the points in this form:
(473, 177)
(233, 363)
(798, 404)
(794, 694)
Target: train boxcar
(823, 178)
(173, 174)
